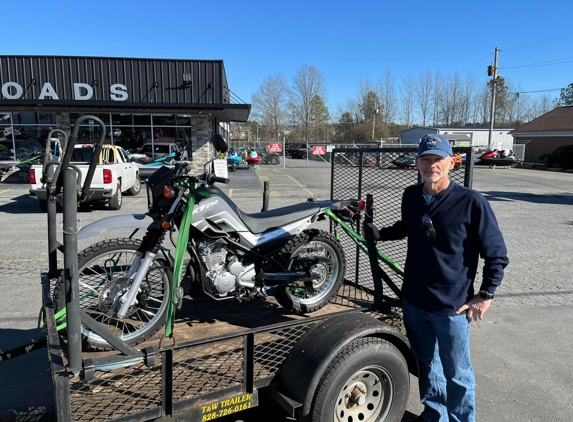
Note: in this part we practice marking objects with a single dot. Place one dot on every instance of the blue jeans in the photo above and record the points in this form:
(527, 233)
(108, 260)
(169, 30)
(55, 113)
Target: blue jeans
(442, 345)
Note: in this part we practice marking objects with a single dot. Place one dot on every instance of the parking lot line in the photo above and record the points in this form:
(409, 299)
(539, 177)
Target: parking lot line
(294, 180)
(136, 201)
(4, 191)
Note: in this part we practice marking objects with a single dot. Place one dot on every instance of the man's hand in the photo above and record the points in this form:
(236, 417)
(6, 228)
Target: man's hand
(373, 228)
(476, 308)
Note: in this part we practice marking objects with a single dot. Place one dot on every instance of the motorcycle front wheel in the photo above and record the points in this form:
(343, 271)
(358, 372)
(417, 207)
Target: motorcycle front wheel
(102, 281)
(305, 296)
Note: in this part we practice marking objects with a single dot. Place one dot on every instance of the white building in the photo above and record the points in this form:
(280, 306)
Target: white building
(462, 136)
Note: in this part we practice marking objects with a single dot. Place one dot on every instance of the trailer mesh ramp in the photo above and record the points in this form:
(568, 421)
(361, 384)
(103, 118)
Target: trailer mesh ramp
(116, 393)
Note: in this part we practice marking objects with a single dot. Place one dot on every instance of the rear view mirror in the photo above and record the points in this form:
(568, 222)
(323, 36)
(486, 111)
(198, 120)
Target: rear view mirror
(219, 143)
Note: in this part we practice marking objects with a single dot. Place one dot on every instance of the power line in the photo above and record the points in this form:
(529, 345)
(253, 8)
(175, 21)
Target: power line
(548, 63)
(541, 90)
(538, 42)
(481, 60)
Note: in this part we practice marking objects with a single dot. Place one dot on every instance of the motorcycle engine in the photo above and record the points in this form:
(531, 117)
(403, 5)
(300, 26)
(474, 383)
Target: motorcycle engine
(225, 273)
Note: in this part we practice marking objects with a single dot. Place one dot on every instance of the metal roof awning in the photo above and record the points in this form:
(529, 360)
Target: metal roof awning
(224, 112)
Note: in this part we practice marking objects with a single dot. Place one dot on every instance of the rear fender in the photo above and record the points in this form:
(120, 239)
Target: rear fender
(125, 221)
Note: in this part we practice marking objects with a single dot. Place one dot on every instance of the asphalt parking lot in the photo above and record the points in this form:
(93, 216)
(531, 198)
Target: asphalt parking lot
(522, 352)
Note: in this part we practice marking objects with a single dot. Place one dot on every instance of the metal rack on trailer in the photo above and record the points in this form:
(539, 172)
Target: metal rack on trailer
(225, 355)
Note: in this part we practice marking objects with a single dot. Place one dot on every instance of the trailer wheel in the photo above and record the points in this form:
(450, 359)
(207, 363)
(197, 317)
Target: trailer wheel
(367, 381)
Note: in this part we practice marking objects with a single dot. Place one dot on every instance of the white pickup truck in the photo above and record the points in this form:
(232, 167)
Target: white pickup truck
(114, 174)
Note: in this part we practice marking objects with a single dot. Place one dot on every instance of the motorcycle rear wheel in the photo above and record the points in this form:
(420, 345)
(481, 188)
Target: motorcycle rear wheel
(300, 297)
(101, 269)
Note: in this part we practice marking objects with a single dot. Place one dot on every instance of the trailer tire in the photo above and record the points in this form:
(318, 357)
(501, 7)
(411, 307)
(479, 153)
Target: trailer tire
(367, 381)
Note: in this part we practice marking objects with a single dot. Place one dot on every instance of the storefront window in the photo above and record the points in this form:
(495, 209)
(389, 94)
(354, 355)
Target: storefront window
(141, 119)
(47, 118)
(163, 120)
(25, 118)
(121, 119)
(183, 120)
(104, 117)
(133, 139)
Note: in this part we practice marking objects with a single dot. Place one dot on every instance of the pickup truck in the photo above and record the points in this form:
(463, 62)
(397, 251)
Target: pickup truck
(114, 174)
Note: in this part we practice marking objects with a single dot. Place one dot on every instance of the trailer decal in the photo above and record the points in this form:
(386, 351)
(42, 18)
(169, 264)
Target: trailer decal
(226, 407)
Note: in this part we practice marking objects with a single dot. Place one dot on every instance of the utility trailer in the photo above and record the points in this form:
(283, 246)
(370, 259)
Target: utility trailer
(350, 359)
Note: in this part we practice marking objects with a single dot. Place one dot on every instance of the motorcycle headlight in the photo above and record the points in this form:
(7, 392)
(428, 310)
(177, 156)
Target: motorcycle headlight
(149, 198)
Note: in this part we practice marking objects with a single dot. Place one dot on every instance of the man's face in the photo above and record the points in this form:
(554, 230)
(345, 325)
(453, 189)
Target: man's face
(434, 168)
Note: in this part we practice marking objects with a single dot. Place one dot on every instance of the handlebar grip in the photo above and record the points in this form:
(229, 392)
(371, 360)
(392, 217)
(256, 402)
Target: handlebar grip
(213, 179)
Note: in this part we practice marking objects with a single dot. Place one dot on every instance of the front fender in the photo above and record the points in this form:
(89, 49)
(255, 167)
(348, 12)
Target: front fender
(124, 221)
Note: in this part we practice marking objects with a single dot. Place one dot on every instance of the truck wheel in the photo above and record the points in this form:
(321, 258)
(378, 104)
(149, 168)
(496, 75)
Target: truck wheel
(304, 297)
(303, 156)
(116, 200)
(43, 204)
(136, 188)
(367, 381)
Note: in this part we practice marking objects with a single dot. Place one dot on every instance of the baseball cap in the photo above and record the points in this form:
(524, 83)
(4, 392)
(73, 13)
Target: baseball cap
(435, 144)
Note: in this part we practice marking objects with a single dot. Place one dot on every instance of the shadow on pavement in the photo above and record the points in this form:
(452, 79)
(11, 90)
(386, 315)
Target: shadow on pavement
(529, 197)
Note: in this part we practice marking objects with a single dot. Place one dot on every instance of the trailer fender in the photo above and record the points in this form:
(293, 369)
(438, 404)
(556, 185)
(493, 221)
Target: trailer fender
(124, 221)
(316, 349)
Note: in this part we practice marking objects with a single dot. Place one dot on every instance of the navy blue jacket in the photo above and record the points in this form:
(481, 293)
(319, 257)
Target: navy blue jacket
(439, 273)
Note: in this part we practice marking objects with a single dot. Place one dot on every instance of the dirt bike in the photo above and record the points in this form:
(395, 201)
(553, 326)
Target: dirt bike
(132, 286)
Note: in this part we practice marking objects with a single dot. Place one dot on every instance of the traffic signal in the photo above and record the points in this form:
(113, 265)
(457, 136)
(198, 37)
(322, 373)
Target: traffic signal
(490, 70)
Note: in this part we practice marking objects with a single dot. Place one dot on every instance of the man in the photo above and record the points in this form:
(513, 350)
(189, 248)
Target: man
(448, 228)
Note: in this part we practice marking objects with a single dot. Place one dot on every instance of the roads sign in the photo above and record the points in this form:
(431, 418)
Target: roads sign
(319, 150)
(275, 147)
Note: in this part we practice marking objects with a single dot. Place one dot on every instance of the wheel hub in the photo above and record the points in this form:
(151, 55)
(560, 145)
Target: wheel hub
(361, 398)
(109, 298)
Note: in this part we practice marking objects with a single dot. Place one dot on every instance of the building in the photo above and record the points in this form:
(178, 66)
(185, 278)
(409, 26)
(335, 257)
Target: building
(545, 134)
(139, 100)
(462, 136)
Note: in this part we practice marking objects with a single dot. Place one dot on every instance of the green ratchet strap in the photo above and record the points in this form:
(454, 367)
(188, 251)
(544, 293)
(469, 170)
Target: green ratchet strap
(176, 292)
(180, 250)
(60, 318)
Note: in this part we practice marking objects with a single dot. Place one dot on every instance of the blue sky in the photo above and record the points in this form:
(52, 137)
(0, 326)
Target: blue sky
(346, 40)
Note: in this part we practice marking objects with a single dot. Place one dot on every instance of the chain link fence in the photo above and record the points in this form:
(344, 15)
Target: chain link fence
(384, 173)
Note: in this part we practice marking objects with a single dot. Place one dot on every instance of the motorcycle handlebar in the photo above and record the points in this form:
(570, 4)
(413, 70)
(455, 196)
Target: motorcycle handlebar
(212, 179)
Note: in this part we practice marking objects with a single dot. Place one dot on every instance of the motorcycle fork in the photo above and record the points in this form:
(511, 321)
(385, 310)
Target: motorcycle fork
(154, 240)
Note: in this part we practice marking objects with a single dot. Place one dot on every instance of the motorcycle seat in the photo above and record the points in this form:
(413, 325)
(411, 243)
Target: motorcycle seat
(261, 222)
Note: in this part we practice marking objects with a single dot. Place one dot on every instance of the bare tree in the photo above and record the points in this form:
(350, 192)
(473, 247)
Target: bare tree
(407, 95)
(307, 83)
(388, 100)
(436, 98)
(269, 104)
(424, 89)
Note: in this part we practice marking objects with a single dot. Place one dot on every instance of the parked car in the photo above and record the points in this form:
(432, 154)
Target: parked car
(291, 147)
(405, 161)
(159, 149)
(561, 157)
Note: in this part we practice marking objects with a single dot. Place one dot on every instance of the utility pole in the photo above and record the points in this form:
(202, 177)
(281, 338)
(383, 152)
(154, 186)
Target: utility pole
(493, 89)
(375, 112)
